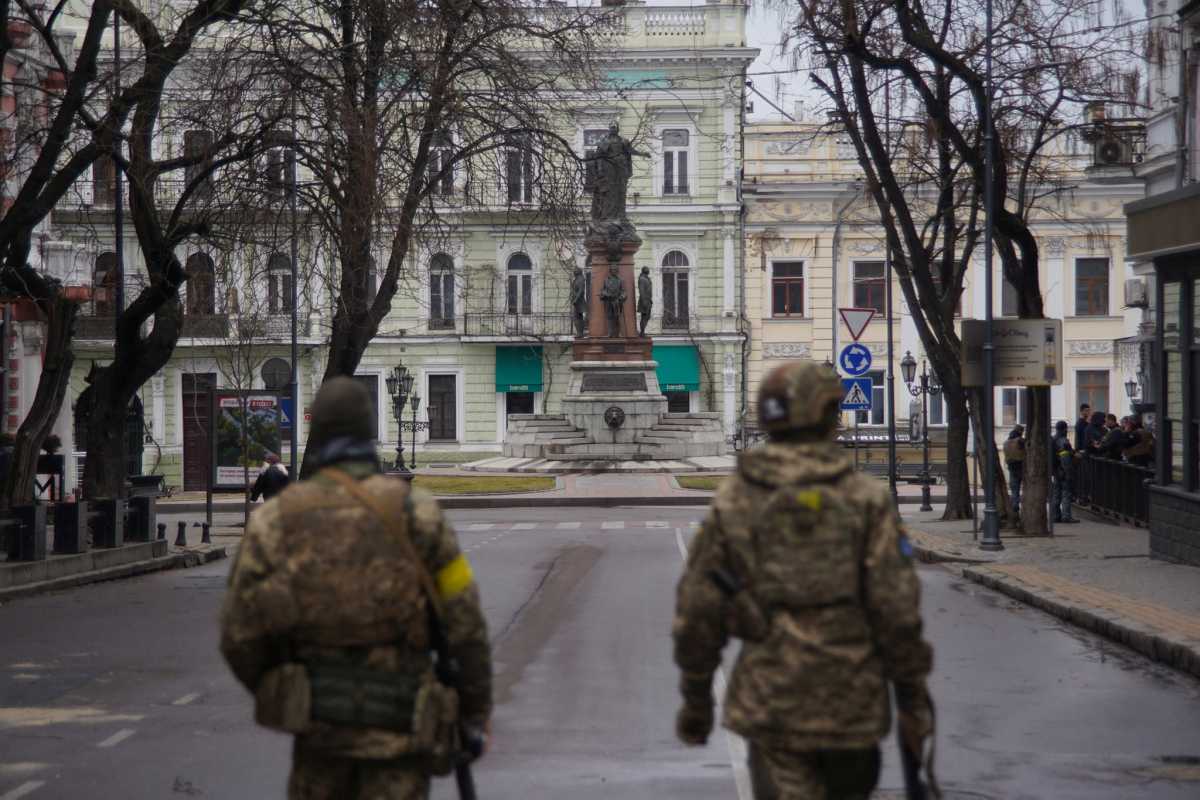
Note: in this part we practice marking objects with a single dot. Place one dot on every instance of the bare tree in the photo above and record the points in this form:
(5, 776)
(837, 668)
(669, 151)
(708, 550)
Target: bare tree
(907, 82)
(411, 113)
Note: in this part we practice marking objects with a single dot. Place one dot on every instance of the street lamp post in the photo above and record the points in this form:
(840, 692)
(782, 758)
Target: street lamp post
(399, 385)
(929, 386)
(1131, 389)
(415, 403)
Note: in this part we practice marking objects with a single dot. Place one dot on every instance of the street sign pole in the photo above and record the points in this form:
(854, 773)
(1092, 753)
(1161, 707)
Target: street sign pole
(991, 521)
(891, 359)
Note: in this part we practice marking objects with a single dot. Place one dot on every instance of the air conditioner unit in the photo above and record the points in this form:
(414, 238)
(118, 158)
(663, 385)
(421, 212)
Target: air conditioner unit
(1111, 151)
(1135, 293)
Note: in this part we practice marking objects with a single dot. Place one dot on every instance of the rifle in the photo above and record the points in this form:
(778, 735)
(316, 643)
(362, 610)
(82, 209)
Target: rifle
(915, 788)
(446, 669)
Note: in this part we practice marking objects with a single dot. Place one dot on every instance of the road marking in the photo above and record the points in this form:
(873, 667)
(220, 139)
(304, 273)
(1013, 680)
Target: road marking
(737, 746)
(117, 738)
(480, 526)
(187, 698)
(656, 523)
(22, 790)
(613, 525)
(567, 526)
(524, 526)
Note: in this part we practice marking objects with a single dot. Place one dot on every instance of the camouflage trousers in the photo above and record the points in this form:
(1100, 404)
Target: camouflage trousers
(813, 775)
(321, 778)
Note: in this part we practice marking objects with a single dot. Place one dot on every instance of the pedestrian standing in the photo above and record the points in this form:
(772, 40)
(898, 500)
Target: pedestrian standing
(1063, 467)
(271, 481)
(1140, 448)
(1081, 426)
(343, 587)
(1014, 458)
(804, 559)
(1094, 435)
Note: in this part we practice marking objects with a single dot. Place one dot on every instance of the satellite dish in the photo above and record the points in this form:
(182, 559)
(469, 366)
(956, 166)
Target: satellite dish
(276, 374)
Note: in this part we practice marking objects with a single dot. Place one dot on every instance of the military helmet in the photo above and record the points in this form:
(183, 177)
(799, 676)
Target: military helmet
(799, 397)
(342, 409)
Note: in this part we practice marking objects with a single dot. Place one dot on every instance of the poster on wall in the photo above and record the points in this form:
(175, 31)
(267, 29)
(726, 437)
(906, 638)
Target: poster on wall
(247, 428)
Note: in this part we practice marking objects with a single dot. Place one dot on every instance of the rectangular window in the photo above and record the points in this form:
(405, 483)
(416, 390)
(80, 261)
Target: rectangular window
(678, 402)
(1091, 287)
(441, 170)
(1008, 298)
(104, 178)
(675, 161)
(196, 144)
(675, 299)
(787, 289)
(591, 139)
(520, 293)
(519, 170)
(877, 414)
(279, 292)
(1012, 406)
(281, 173)
(869, 286)
(937, 410)
(1091, 387)
(441, 300)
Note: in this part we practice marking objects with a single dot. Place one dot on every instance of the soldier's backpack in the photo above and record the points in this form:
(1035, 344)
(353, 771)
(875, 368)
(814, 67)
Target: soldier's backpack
(1013, 450)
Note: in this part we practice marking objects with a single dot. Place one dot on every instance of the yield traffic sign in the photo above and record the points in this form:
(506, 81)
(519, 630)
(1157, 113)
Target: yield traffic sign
(856, 394)
(855, 359)
(856, 320)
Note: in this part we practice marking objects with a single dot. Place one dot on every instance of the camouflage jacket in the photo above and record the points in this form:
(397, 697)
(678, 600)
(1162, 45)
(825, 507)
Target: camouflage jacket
(819, 548)
(317, 579)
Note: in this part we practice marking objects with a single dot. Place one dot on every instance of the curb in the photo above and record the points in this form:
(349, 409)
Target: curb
(1183, 656)
(183, 560)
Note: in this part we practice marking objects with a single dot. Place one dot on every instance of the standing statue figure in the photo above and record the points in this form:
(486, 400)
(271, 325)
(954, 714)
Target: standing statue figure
(614, 168)
(612, 294)
(579, 302)
(645, 299)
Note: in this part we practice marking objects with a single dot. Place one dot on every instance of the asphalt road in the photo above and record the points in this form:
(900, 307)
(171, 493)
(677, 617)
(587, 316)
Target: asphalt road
(117, 690)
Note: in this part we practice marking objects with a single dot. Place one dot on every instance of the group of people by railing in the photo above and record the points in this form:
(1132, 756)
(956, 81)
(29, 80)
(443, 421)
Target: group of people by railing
(1105, 467)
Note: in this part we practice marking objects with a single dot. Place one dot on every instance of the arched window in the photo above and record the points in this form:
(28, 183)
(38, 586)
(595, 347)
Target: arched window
(201, 286)
(104, 285)
(279, 284)
(520, 284)
(675, 290)
(441, 291)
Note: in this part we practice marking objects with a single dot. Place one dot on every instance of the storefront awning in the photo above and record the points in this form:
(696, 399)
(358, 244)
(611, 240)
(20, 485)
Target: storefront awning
(519, 369)
(678, 368)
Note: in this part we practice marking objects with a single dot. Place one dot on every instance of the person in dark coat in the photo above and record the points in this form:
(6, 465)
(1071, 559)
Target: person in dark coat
(271, 481)
(1014, 458)
(1062, 467)
(1081, 426)
(1094, 434)
(1115, 439)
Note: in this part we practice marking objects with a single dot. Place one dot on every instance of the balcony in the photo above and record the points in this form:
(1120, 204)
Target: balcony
(94, 326)
(543, 324)
(205, 326)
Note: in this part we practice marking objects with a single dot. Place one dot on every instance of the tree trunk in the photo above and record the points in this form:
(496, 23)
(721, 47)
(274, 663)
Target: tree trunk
(57, 361)
(958, 483)
(1036, 489)
(105, 467)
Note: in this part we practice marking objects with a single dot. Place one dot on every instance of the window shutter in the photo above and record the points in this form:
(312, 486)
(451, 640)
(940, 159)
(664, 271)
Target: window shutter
(526, 294)
(681, 294)
(513, 175)
(435, 296)
(512, 294)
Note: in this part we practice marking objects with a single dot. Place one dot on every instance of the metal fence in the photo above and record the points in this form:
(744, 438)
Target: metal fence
(1113, 488)
(531, 325)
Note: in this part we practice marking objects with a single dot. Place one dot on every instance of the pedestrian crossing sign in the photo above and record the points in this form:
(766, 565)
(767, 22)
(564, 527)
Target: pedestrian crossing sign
(856, 394)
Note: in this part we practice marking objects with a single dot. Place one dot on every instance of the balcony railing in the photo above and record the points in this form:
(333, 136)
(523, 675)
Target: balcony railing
(544, 323)
(1113, 488)
(205, 326)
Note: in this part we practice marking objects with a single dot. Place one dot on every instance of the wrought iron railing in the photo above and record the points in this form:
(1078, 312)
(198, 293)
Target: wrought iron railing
(543, 323)
(1113, 488)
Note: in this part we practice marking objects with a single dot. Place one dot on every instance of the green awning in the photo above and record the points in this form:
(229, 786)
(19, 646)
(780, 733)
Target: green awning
(678, 368)
(519, 369)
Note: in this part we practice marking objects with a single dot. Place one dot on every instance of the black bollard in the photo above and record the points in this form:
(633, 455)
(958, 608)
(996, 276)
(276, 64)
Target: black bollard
(204, 537)
(162, 530)
(181, 535)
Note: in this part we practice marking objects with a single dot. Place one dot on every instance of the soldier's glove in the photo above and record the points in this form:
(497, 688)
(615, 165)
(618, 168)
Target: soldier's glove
(695, 719)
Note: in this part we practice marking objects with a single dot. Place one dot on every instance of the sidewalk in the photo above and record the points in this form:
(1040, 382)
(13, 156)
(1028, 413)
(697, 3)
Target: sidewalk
(1096, 574)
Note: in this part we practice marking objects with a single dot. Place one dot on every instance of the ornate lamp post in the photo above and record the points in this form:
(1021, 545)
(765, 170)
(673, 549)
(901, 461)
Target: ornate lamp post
(929, 386)
(415, 403)
(1131, 389)
(399, 384)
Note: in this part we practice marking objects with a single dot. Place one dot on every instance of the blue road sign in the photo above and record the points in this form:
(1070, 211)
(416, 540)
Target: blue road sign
(855, 359)
(285, 411)
(856, 394)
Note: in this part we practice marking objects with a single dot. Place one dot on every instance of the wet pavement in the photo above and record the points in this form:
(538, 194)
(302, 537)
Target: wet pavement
(117, 690)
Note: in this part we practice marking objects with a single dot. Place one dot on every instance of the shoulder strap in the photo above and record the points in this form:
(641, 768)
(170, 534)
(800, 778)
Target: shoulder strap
(398, 527)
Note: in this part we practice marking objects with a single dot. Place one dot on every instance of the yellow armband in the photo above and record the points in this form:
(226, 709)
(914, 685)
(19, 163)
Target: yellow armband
(454, 578)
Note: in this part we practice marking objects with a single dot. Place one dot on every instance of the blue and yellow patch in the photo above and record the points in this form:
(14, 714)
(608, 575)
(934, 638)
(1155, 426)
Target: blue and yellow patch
(906, 548)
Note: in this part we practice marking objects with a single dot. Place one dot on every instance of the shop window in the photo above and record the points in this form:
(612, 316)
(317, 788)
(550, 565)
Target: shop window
(1091, 287)
(869, 286)
(787, 289)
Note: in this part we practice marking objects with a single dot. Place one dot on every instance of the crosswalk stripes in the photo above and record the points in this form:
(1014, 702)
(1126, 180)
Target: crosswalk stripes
(613, 525)
(480, 526)
(524, 526)
(567, 526)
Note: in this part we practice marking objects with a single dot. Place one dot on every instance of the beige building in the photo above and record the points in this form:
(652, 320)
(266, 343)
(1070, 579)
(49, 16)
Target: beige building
(814, 244)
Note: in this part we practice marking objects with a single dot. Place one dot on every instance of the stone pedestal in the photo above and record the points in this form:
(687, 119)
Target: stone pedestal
(613, 403)
(598, 345)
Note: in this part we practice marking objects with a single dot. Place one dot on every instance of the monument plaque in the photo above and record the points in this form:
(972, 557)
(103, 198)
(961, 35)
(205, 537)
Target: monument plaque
(614, 382)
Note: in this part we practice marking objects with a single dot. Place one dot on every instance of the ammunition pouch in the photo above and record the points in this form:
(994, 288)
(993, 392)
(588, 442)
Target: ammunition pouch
(293, 696)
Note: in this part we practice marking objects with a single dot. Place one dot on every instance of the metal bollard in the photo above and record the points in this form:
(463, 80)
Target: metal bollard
(204, 536)
(162, 530)
(181, 535)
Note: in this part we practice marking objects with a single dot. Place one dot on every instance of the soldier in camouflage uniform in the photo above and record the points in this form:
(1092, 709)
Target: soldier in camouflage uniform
(327, 623)
(803, 559)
